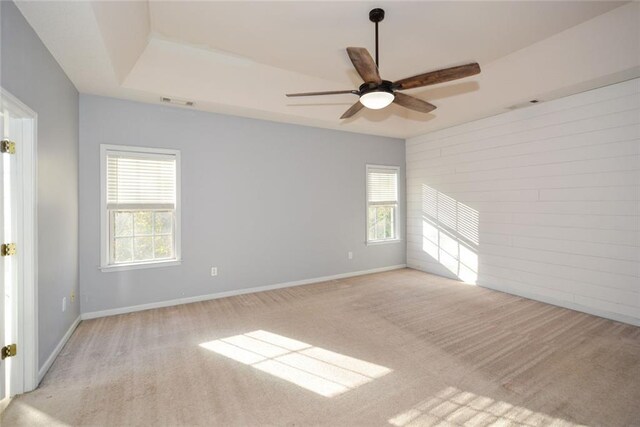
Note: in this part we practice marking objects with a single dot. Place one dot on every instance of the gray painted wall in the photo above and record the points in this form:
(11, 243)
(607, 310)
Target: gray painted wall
(31, 74)
(264, 202)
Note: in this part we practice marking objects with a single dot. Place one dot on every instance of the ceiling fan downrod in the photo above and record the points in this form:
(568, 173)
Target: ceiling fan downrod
(376, 15)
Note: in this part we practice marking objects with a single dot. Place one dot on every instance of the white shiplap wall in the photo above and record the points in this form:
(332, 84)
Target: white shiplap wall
(556, 191)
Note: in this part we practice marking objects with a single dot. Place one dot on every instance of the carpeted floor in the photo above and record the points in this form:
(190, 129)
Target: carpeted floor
(401, 348)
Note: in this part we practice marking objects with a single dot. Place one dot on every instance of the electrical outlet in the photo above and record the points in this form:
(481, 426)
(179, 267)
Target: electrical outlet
(214, 271)
(64, 303)
(73, 296)
(350, 255)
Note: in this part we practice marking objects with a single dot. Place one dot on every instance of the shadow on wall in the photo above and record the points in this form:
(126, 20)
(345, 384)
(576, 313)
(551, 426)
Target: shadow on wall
(450, 233)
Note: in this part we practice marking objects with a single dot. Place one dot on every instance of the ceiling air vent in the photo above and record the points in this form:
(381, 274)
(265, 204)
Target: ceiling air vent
(177, 101)
(523, 104)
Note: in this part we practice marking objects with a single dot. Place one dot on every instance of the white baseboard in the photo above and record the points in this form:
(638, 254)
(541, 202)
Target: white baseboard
(565, 304)
(548, 300)
(169, 303)
(56, 351)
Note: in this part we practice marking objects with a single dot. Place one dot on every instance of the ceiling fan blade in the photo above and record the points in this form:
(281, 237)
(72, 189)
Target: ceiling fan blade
(413, 103)
(352, 110)
(331, 92)
(364, 64)
(439, 76)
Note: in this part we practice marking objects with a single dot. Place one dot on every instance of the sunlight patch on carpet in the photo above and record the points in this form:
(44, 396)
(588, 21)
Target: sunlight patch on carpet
(459, 407)
(32, 416)
(321, 371)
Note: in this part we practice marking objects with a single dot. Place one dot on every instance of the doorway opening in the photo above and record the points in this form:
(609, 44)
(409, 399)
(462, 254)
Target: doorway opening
(18, 272)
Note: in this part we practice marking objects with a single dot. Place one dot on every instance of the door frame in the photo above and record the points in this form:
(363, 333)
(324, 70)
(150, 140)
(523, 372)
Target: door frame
(27, 298)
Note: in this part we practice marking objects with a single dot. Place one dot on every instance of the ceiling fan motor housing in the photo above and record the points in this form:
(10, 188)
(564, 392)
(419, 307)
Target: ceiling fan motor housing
(385, 86)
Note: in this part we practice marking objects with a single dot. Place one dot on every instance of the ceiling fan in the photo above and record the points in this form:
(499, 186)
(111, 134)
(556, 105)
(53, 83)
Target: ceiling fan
(376, 93)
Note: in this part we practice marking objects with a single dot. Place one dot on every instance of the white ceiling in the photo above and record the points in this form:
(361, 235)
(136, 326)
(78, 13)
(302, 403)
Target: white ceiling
(241, 57)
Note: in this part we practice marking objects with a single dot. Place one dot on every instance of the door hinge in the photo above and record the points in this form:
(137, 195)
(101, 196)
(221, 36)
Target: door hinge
(8, 249)
(8, 351)
(7, 146)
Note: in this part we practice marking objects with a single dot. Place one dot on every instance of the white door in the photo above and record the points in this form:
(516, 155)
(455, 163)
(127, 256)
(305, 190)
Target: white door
(3, 366)
(11, 127)
(18, 225)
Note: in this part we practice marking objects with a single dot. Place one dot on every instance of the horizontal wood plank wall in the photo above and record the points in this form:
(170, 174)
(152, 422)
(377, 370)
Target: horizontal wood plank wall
(556, 190)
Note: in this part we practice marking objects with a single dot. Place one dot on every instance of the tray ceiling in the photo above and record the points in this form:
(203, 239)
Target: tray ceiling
(241, 57)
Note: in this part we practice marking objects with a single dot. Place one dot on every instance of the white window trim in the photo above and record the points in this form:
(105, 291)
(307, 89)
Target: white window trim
(396, 224)
(104, 217)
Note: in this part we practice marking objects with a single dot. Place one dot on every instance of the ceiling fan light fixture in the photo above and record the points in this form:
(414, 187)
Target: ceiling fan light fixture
(376, 100)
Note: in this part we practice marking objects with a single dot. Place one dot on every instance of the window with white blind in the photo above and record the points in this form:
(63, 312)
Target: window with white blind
(140, 206)
(382, 203)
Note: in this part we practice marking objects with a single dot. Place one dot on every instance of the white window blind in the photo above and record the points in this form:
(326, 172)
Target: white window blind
(140, 181)
(382, 185)
(382, 203)
(140, 205)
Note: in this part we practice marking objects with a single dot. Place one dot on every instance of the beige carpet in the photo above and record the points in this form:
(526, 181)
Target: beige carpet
(400, 348)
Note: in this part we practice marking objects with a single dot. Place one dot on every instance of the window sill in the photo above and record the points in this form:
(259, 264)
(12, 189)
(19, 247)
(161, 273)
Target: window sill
(140, 265)
(382, 242)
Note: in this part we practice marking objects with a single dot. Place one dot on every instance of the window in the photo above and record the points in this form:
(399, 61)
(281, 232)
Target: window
(140, 206)
(382, 203)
